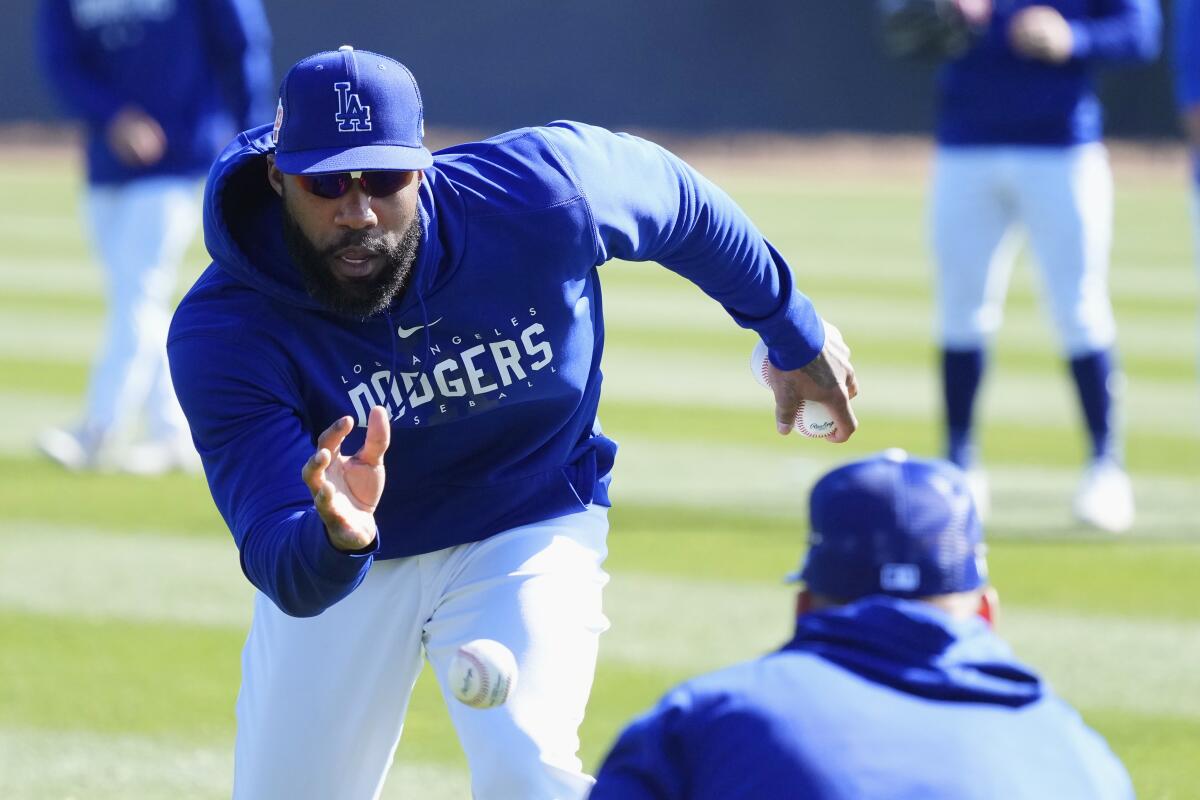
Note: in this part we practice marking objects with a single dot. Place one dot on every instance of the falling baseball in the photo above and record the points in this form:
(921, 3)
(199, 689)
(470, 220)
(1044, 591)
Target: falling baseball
(483, 673)
(813, 419)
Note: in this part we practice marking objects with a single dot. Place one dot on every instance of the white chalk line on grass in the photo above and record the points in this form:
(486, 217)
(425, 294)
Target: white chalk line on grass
(659, 622)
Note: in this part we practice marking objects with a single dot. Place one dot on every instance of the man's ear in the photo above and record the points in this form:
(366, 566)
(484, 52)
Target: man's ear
(274, 176)
(804, 602)
(989, 606)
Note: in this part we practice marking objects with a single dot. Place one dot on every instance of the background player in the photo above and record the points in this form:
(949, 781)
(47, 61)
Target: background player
(160, 87)
(363, 290)
(1018, 136)
(1187, 92)
(894, 684)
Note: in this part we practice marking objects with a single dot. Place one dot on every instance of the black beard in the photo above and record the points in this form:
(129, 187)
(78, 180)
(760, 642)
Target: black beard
(361, 298)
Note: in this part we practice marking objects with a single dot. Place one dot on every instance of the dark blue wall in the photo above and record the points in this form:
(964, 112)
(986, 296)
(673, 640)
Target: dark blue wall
(692, 65)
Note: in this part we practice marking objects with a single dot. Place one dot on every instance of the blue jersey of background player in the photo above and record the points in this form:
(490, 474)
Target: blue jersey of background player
(894, 685)
(200, 69)
(1187, 91)
(161, 86)
(1018, 135)
(364, 291)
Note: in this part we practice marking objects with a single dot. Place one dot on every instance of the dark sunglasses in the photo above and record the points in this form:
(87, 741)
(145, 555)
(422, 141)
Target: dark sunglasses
(333, 185)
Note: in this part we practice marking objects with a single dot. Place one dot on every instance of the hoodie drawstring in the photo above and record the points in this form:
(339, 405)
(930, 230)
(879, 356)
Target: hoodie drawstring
(391, 326)
(428, 355)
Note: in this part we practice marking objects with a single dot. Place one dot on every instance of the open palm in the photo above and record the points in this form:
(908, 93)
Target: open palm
(346, 489)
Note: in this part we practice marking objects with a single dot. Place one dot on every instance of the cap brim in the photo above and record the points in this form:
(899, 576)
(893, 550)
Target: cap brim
(354, 159)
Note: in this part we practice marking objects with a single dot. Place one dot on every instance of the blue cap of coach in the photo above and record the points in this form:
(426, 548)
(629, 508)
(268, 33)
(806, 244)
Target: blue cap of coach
(348, 110)
(896, 525)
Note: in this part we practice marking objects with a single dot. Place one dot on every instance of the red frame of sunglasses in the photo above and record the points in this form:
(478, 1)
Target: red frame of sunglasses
(374, 183)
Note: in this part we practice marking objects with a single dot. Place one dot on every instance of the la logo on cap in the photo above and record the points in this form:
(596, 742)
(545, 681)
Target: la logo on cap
(352, 116)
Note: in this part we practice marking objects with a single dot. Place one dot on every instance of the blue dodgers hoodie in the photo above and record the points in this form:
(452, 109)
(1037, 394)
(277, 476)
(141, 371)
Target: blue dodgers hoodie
(886, 699)
(992, 96)
(201, 68)
(489, 365)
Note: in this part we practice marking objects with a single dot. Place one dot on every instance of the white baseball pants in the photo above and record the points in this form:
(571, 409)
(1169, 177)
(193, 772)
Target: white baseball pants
(141, 230)
(1196, 240)
(1063, 198)
(323, 699)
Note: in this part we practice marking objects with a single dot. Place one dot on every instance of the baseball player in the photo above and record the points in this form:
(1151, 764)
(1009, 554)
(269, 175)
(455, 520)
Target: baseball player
(1187, 90)
(391, 372)
(1018, 137)
(894, 685)
(160, 87)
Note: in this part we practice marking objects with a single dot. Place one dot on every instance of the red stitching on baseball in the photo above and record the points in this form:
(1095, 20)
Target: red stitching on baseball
(483, 677)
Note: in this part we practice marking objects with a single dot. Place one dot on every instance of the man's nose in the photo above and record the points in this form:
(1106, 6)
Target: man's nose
(354, 210)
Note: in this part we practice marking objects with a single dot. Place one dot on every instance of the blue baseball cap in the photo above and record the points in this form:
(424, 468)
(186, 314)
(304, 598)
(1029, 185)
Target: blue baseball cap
(348, 110)
(896, 525)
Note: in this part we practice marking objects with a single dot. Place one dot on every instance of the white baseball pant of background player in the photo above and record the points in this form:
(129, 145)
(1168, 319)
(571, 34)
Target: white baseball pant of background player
(1196, 244)
(323, 699)
(141, 230)
(1063, 197)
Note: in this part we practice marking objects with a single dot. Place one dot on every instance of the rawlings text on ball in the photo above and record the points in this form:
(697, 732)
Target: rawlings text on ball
(483, 673)
(813, 419)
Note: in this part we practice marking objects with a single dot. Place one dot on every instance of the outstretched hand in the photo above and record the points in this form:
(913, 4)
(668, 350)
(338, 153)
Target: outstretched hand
(346, 489)
(828, 379)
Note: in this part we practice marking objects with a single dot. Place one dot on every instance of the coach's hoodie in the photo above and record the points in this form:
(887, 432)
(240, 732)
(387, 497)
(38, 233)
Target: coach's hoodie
(883, 698)
(489, 365)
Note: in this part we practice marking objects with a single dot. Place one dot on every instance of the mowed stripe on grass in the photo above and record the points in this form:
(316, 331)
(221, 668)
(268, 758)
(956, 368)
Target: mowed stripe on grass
(658, 620)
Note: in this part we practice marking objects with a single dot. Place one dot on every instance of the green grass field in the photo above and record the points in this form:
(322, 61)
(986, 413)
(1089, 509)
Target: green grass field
(123, 610)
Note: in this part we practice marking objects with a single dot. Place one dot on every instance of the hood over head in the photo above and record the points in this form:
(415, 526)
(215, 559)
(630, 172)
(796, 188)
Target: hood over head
(243, 226)
(916, 648)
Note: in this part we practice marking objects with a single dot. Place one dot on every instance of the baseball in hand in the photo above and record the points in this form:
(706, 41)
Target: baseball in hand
(483, 673)
(812, 419)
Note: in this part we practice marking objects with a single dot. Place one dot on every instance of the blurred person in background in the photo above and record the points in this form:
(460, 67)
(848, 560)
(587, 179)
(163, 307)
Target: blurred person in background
(894, 685)
(1187, 91)
(160, 86)
(1019, 143)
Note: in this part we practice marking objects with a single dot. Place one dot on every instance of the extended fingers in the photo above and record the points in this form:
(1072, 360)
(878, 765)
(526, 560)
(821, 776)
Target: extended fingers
(313, 472)
(379, 436)
(333, 436)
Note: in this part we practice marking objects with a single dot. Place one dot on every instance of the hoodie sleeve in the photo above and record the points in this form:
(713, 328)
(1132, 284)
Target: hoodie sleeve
(64, 62)
(239, 40)
(647, 762)
(1186, 53)
(1122, 30)
(648, 205)
(245, 420)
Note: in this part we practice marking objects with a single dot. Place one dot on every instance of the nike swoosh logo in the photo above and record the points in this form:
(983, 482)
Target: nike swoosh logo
(404, 333)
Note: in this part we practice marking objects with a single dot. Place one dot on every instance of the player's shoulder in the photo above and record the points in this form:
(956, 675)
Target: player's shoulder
(219, 308)
(524, 169)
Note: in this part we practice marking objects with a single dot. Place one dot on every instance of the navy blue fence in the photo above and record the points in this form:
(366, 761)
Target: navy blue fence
(688, 65)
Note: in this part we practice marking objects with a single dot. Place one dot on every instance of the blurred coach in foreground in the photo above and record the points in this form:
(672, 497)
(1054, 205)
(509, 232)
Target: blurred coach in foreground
(894, 685)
